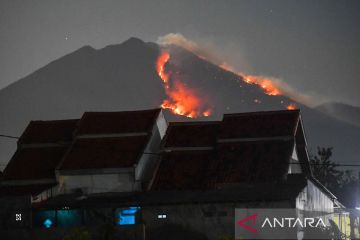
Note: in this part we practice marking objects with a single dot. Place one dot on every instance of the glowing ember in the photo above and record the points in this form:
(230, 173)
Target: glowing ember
(182, 100)
(207, 113)
(266, 84)
(291, 107)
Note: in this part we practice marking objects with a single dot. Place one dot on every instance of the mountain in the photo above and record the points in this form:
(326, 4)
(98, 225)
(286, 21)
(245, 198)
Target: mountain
(124, 77)
(341, 111)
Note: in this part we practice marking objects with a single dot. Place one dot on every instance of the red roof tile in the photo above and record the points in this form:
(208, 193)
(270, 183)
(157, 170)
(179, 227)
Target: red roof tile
(259, 124)
(34, 163)
(48, 131)
(91, 153)
(191, 134)
(117, 122)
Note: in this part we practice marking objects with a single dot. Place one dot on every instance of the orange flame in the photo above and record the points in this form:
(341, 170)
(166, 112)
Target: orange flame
(182, 100)
(160, 66)
(266, 84)
(291, 106)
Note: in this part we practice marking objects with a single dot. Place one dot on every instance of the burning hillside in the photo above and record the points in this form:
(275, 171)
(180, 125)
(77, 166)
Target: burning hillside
(186, 101)
(181, 100)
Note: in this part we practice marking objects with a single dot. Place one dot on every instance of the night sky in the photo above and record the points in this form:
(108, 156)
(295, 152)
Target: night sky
(311, 45)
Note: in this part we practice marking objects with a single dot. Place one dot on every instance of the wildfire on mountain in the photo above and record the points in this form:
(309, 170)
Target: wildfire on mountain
(182, 100)
(185, 101)
(266, 84)
(160, 66)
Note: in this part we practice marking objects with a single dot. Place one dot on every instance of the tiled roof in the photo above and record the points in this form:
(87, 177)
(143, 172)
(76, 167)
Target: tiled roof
(111, 152)
(251, 155)
(259, 124)
(244, 162)
(254, 161)
(191, 134)
(185, 170)
(34, 163)
(48, 132)
(117, 122)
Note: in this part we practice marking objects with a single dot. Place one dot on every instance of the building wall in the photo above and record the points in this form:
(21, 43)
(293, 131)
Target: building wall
(120, 180)
(214, 220)
(145, 169)
(98, 183)
(313, 202)
(294, 166)
(10, 209)
(312, 199)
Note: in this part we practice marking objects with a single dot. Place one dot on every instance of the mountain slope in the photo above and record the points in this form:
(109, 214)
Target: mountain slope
(124, 77)
(341, 111)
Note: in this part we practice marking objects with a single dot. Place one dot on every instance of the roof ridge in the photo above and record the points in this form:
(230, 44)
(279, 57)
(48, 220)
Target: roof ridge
(262, 112)
(194, 123)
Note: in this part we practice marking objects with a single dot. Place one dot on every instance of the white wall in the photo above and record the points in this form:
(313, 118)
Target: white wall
(147, 163)
(119, 180)
(294, 166)
(313, 202)
(98, 183)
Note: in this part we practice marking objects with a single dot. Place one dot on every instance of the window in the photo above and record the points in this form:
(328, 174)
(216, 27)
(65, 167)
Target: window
(126, 216)
(18, 217)
(162, 216)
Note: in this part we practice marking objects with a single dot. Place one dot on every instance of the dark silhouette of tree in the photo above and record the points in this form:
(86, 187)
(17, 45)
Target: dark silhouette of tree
(342, 183)
(325, 170)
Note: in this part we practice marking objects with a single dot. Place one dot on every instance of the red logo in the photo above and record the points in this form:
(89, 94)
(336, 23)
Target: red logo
(251, 218)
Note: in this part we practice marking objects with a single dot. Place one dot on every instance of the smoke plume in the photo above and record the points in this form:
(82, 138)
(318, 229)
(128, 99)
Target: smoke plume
(207, 50)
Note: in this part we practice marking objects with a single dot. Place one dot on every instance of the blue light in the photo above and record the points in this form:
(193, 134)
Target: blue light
(130, 210)
(68, 218)
(47, 223)
(126, 220)
(127, 216)
(40, 217)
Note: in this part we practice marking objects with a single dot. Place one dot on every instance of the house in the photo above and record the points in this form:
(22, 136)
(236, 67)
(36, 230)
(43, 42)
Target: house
(256, 160)
(30, 174)
(136, 170)
(110, 152)
(31, 170)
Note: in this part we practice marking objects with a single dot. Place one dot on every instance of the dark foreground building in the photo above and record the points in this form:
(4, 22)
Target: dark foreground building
(131, 174)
